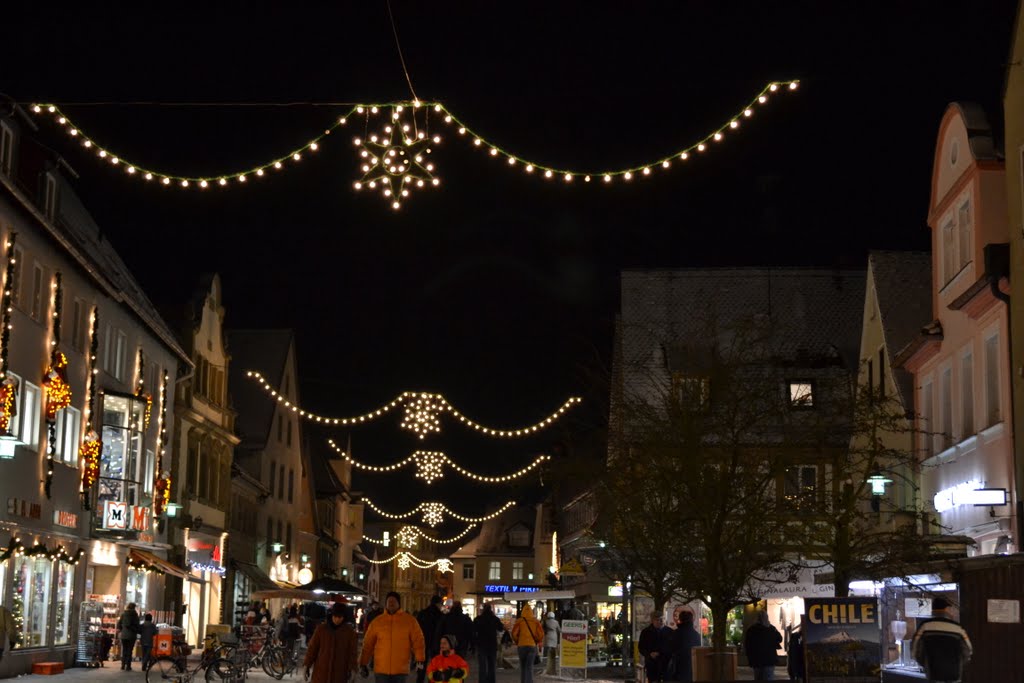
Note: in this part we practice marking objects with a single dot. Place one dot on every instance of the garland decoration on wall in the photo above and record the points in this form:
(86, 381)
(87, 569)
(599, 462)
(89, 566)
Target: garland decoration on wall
(437, 512)
(430, 466)
(16, 548)
(395, 159)
(89, 451)
(162, 486)
(8, 385)
(140, 388)
(55, 381)
(422, 412)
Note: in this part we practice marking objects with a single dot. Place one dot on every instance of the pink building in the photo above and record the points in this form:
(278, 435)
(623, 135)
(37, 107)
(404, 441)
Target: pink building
(960, 361)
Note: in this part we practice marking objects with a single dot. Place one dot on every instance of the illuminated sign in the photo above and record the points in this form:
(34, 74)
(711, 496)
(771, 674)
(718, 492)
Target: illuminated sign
(839, 612)
(119, 516)
(968, 493)
(62, 518)
(498, 588)
(615, 590)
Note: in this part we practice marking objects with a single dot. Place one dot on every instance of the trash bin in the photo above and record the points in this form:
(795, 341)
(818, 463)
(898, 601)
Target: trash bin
(705, 658)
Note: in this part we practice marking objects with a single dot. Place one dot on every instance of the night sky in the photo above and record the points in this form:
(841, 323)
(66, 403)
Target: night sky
(499, 289)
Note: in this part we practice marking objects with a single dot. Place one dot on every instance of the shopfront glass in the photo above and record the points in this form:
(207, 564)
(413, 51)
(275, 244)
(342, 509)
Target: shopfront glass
(136, 589)
(30, 604)
(65, 603)
(122, 464)
(3, 582)
(240, 597)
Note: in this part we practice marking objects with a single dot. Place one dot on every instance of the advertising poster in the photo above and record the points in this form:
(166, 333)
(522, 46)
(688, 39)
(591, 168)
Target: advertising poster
(842, 640)
(574, 644)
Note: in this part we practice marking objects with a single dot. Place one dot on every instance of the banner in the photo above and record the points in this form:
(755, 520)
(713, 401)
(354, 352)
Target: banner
(842, 640)
(574, 644)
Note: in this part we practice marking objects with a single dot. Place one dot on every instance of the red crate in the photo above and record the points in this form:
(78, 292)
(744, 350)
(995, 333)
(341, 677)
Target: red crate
(48, 668)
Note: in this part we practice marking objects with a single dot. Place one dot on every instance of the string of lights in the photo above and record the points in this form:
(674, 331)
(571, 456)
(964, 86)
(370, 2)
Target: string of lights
(430, 466)
(55, 380)
(396, 159)
(405, 559)
(422, 412)
(91, 446)
(438, 507)
(16, 548)
(8, 388)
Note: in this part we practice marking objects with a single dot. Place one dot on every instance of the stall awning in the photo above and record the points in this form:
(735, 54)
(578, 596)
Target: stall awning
(540, 595)
(259, 578)
(139, 556)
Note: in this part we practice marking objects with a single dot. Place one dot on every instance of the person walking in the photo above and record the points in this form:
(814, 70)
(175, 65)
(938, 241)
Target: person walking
(458, 624)
(486, 628)
(761, 642)
(8, 630)
(146, 634)
(652, 648)
(527, 634)
(447, 666)
(680, 643)
(941, 645)
(127, 631)
(331, 654)
(392, 639)
(292, 628)
(429, 619)
(552, 629)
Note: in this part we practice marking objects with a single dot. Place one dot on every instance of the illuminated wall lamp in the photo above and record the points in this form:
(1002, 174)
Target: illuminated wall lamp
(8, 444)
(277, 546)
(173, 509)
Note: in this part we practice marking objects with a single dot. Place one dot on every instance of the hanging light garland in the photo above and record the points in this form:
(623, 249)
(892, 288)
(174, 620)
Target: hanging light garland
(394, 159)
(421, 414)
(58, 554)
(420, 534)
(430, 466)
(8, 385)
(140, 388)
(406, 537)
(162, 485)
(55, 381)
(440, 508)
(89, 451)
(406, 559)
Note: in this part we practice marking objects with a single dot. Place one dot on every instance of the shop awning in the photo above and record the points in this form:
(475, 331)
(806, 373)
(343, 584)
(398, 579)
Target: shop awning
(259, 578)
(540, 595)
(139, 556)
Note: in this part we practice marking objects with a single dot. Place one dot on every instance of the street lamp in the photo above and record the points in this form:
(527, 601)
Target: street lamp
(277, 547)
(878, 482)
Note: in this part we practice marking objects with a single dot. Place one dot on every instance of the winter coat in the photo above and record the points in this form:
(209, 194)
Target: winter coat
(332, 653)
(680, 641)
(486, 628)
(761, 643)
(551, 630)
(651, 640)
(455, 623)
(429, 619)
(128, 625)
(8, 630)
(942, 647)
(527, 631)
(392, 639)
(450, 667)
(146, 633)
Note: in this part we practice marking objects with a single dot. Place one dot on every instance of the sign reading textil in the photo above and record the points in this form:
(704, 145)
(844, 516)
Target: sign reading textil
(121, 516)
(842, 640)
(574, 644)
(499, 588)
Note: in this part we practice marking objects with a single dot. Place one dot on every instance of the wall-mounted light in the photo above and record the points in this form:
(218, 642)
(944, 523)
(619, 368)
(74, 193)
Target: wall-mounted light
(7, 446)
(277, 546)
(878, 482)
(173, 509)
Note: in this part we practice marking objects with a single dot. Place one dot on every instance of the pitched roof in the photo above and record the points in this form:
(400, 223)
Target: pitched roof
(325, 480)
(265, 351)
(903, 288)
(493, 536)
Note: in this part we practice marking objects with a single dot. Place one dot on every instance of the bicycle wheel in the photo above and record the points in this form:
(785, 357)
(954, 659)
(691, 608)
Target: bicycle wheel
(274, 663)
(221, 670)
(162, 670)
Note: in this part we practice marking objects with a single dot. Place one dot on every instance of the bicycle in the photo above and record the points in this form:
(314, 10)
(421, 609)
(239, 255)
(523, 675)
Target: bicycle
(171, 670)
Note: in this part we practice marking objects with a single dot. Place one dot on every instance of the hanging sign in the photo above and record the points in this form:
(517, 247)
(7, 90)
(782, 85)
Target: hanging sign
(842, 640)
(119, 516)
(573, 644)
(572, 568)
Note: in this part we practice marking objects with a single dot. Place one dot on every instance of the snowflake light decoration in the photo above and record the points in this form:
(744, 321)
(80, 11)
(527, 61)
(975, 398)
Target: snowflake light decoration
(433, 513)
(407, 536)
(404, 561)
(429, 465)
(396, 160)
(444, 565)
(421, 414)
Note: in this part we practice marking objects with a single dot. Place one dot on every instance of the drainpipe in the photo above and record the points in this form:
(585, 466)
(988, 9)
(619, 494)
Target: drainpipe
(997, 266)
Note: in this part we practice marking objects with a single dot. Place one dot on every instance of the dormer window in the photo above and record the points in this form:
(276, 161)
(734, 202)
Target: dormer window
(957, 241)
(50, 198)
(6, 149)
(519, 537)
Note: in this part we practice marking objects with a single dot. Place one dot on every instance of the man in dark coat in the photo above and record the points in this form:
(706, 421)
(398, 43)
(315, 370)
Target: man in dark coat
(941, 645)
(457, 624)
(429, 619)
(652, 648)
(128, 628)
(761, 643)
(486, 628)
(681, 641)
(332, 652)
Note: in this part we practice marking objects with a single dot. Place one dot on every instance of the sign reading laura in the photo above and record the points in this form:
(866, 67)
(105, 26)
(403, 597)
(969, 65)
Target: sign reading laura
(842, 640)
(500, 588)
(118, 516)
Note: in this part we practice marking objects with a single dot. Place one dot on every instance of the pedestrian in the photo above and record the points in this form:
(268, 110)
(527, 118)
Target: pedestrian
(941, 645)
(652, 648)
(146, 633)
(331, 654)
(795, 661)
(127, 632)
(265, 618)
(292, 628)
(552, 629)
(527, 634)
(429, 619)
(448, 666)
(8, 630)
(761, 642)
(486, 628)
(458, 624)
(392, 639)
(680, 644)
(574, 612)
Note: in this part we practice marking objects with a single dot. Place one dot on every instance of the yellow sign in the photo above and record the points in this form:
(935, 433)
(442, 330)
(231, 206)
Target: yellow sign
(574, 644)
(572, 568)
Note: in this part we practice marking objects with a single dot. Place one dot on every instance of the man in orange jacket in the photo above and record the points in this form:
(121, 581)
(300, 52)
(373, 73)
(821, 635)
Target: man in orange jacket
(392, 639)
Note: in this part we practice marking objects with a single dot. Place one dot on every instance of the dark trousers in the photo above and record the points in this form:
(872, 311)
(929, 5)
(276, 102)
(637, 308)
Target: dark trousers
(126, 653)
(487, 664)
(146, 651)
(422, 673)
(653, 669)
(389, 678)
(526, 656)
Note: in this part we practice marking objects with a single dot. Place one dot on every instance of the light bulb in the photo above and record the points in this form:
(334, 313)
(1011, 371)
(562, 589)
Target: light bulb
(762, 99)
(103, 153)
(360, 110)
(202, 183)
(529, 168)
(131, 169)
(148, 176)
(277, 164)
(477, 142)
(665, 164)
(494, 152)
(748, 112)
(166, 181)
(373, 110)
(73, 131)
(792, 86)
(734, 124)
(259, 171)
(87, 143)
(718, 136)
(773, 87)
(296, 156)
(241, 178)
(627, 175)
(447, 119)
(547, 174)
(437, 139)
(436, 181)
(568, 177)
(511, 161)
(647, 171)
(343, 120)
(684, 156)
(700, 147)
(357, 142)
(357, 185)
(184, 183)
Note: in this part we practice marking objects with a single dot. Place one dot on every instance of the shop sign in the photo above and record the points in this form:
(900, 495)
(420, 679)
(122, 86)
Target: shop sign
(124, 517)
(615, 590)
(572, 568)
(574, 644)
(203, 552)
(499, 588)
(65, 518)
(842, 640)
(23, 508)
(968, 493)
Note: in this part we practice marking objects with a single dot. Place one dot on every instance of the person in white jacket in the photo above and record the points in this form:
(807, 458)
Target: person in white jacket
(552, 629)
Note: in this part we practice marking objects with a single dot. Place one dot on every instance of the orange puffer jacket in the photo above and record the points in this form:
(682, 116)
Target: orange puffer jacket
(441, 664)
(392, 640)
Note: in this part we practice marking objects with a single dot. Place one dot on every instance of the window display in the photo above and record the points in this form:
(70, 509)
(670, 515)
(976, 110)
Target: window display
(31, 599)
(122, 466)
(135, 590)
(65, 597)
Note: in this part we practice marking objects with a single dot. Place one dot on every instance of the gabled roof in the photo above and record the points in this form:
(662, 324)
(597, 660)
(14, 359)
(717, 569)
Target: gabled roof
(265, 351)
(493, 536)
(325, 480)
(903, 289)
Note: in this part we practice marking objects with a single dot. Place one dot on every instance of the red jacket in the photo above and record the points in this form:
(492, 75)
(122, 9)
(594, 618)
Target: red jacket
(436, 671)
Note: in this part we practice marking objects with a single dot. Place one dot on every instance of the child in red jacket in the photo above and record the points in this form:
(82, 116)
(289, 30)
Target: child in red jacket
(447, 667)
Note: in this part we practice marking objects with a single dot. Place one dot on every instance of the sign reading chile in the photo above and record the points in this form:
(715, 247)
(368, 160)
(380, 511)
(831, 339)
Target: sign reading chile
(500, 588)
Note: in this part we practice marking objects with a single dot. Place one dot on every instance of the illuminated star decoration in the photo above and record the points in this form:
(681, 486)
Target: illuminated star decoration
(406, 537)
(395, 161)
(421, 414)
(429, 465)
(404, 561)
(433, 514)
(444, 565)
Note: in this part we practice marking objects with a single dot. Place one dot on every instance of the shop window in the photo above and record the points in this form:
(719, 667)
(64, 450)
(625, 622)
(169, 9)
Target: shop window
(31, 399)
(136, 589)
(801, 394)
(800, 487)
(122, 462)
(517, 571)
(468, 570)
(69, 430)
(494, 571)
(65, 603)
(30, 600)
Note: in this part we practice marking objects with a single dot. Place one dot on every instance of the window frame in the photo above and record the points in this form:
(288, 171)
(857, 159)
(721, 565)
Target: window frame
(50, 192)
(29, 420)
(494, 570)
(469, 571)
(518, 570)
(993, 395)
(6, 149)
(794, 402)
(802, 500)
(69, 436)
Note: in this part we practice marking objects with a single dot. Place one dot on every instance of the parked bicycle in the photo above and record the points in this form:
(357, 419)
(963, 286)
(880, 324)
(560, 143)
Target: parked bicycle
(170, 670)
